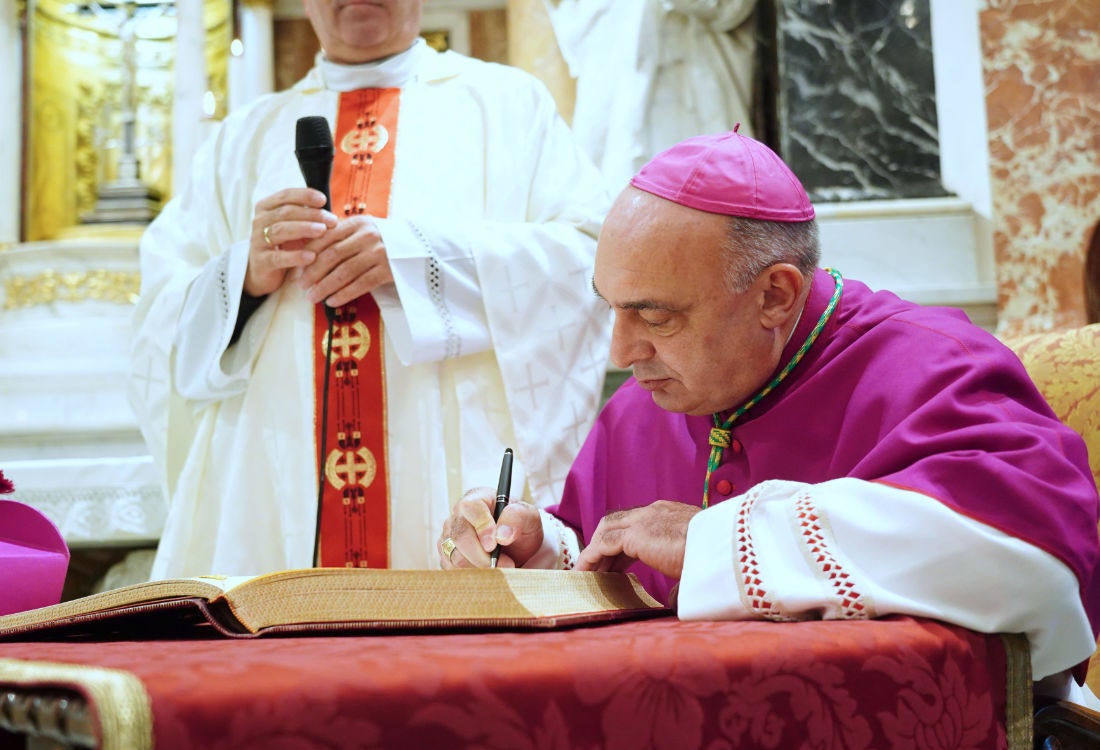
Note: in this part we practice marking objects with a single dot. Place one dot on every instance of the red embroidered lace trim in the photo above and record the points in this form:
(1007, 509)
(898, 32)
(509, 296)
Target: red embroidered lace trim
(753, 593)
(853, 605)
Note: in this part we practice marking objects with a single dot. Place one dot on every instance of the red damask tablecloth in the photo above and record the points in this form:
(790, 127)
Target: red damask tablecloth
(891, 683)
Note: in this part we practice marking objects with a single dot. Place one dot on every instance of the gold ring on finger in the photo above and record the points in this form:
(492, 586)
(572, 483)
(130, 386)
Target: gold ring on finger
(448, 547)
(267, 234)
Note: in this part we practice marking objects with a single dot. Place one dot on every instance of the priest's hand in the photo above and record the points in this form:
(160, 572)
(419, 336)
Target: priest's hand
(656, 534)
(351, 261)
(283, 225)
(470, 534)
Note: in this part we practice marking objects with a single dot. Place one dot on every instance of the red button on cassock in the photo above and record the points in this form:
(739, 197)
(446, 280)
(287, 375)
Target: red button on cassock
(723, 486)
(736, 446)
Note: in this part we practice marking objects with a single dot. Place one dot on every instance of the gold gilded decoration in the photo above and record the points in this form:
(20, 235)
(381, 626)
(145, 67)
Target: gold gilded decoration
(122, 707)
(90, 101)
(353, 468)
(75, 97)
(440, 41)
(349, 342)
(71, 286)
(370, 138)
(1019, 724)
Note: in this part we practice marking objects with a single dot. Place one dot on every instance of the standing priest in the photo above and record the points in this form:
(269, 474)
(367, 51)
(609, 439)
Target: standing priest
(454, 266)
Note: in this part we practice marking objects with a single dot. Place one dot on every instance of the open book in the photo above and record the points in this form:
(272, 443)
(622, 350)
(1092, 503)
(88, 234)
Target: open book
(343, 600)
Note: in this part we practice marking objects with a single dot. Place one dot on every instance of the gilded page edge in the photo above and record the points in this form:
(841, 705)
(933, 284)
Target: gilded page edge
(459, 597)
(122, 708)
(104, 602)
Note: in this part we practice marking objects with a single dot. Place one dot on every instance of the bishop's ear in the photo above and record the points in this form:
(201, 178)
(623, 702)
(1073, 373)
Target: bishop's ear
(783, 284)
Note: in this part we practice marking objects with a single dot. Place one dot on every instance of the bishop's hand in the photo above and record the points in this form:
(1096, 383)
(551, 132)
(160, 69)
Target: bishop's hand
(470, 534)
(655, 534)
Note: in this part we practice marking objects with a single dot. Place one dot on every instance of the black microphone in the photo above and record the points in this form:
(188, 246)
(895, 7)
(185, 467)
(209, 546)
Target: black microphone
(313, 147)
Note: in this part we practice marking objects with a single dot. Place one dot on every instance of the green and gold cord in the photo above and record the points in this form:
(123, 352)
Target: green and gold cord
(721, 436)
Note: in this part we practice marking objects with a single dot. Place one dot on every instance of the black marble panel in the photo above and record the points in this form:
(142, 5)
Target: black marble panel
(856, 103)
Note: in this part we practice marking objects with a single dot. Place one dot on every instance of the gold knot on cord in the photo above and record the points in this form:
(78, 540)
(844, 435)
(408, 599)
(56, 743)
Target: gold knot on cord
(720, 438)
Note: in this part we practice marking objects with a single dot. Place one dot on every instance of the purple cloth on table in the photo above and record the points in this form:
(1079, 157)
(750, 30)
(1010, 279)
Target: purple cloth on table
(893, 392)
(33, 559)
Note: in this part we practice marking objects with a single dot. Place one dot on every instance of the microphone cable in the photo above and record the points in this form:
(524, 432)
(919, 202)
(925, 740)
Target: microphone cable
(330, 313)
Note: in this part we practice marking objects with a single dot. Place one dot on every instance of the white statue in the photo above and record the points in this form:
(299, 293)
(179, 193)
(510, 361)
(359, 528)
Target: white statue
(651, 73)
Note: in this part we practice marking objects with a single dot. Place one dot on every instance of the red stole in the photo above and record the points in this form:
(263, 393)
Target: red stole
(354, 527)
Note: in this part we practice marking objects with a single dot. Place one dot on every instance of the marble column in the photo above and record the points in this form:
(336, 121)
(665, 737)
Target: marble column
(191, 85)
(856, 98)
(252, 73)
(11, 142)
(533, 47)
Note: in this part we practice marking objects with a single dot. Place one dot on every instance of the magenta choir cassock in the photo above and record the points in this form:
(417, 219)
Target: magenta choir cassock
(912, 400)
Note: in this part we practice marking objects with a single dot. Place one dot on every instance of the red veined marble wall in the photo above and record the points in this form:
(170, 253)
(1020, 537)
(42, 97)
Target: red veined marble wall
(1041, 62)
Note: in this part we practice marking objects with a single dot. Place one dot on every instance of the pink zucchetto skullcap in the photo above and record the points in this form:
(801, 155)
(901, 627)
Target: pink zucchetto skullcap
(726, 173)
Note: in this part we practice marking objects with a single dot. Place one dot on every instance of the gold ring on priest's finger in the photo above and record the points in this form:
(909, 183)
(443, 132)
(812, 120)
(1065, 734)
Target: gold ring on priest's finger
(448, 546)
(267, 234)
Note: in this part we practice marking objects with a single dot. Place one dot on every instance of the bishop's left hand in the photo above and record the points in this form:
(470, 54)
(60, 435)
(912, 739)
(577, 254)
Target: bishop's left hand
(351, 261)
(655, 534)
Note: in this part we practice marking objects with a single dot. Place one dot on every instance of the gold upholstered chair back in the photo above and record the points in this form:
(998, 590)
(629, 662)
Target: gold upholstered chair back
(1065, 365)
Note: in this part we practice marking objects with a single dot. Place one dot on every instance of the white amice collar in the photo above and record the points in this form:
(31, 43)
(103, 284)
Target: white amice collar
(392, 72)
(796, 322)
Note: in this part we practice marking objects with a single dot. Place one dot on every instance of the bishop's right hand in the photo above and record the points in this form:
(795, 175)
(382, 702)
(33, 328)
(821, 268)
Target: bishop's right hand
(470, 534)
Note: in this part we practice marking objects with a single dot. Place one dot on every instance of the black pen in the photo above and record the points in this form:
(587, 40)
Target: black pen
(504, 487)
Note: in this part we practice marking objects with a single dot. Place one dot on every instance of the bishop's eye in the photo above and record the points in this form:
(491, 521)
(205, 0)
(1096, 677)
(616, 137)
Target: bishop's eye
(655, 318)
